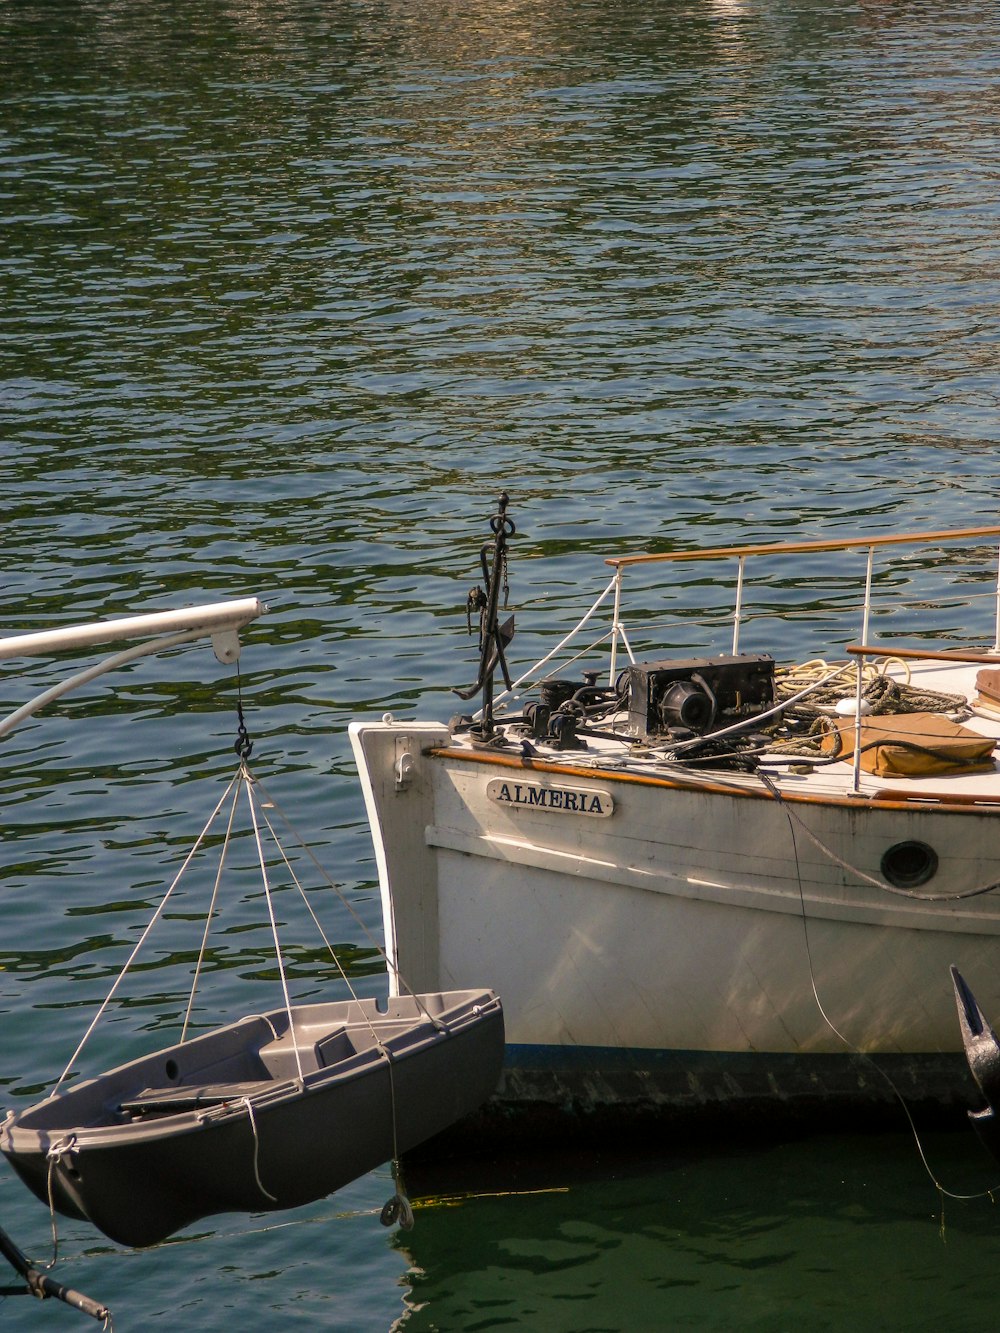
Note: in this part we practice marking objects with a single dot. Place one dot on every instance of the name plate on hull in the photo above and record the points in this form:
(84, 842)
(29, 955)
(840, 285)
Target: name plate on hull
(535, 796)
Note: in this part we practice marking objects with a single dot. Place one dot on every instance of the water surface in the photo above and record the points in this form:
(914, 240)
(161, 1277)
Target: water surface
(289, 292)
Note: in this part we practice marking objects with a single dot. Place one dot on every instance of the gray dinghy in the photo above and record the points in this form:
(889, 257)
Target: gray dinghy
(244, 1119)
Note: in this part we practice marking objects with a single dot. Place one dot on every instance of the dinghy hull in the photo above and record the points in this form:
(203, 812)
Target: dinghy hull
(243, 1120)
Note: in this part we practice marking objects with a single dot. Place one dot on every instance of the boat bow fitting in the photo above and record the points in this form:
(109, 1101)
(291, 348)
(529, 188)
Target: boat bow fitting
(982, 1050)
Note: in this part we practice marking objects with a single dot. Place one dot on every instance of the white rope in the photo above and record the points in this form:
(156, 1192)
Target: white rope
(855, 1050)
(398, 1208)
(345, 902)
(274, 925)
(54, 1156)
(256, 1150)
(531, 672)
(145, 934)
(211, 909)
(441, 1027)
(309, 907)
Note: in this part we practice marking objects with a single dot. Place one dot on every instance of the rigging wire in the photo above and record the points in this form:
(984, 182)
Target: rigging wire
(345, 902)
(146, 932)
(245, 775)
(398, 1208)
(210, 915)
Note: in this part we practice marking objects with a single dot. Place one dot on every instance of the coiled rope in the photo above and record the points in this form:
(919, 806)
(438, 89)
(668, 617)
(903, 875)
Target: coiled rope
(808, 718)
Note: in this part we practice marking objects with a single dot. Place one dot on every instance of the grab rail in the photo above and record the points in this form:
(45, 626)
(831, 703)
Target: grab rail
(741, 554)
(921, 654)
(791, 548)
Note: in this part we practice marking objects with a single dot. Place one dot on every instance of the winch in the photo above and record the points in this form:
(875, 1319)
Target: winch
(698, 695)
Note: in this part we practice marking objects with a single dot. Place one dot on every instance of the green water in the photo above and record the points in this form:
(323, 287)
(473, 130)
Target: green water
(288, 292)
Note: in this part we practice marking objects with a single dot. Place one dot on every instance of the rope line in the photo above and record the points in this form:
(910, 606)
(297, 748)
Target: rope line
(145, 934)
(256, 1150)
(53, 1157)
(877, 883)
(398, 1207)
(245, 772)
(211, 913)
(531, 672)
(344, 900)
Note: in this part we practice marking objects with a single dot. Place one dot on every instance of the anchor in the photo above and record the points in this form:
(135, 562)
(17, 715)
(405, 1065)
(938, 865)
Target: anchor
(493, 636)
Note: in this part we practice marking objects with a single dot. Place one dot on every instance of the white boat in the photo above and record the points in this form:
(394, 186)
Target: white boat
(680, 911)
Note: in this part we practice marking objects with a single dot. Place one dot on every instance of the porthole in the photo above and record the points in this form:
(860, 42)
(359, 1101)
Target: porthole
(171, 1070)
(907, 865)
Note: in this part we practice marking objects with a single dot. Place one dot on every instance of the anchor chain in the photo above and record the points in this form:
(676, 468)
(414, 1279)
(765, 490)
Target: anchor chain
(243, 744)
(476, 602)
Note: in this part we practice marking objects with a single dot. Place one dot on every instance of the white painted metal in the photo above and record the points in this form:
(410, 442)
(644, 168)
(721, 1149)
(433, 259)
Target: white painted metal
(616, 627)
(868, 594)
(859, 684)
(219, 620)
(212, 618)
(738, 609)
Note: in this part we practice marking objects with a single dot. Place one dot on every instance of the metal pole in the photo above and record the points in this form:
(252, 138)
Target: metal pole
(739, 606)
(213, 618)
(41, 1285)
(857, 724)
(616, 625)
(868, 595)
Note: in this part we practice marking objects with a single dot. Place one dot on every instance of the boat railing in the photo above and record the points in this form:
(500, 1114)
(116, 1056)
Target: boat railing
(618, 634)
(741, 554)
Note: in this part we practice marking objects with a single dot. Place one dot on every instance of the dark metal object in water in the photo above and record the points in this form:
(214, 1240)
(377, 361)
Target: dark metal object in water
(257, 1116)
(982, 1050)
(42, 1285)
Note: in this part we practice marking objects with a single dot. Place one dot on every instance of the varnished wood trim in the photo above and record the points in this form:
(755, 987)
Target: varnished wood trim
(792, 548)
(919, 654)
(937, 798)
(884, 799)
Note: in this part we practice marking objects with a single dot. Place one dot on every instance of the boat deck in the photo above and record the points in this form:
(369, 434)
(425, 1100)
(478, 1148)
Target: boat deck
(798, 775)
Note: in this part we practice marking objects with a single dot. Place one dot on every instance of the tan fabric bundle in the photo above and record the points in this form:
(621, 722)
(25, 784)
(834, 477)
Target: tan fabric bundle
(988, 685)
(912, 745)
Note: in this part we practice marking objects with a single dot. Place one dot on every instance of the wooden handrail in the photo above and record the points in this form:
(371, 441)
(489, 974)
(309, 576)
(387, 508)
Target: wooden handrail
(921, 654)
(792, 548)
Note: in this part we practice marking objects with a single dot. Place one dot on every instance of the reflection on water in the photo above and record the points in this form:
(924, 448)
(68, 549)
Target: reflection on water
(290, 291)
(708, 1236)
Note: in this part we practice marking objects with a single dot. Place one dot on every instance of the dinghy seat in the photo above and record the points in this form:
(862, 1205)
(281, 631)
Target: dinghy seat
(315, 1051)
(172, 1101)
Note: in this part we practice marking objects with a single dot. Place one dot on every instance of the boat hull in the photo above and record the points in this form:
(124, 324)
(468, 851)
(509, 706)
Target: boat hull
(225, 1123)
(686, 945)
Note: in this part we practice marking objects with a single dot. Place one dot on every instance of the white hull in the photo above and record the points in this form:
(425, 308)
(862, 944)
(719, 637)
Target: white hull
(631, 949)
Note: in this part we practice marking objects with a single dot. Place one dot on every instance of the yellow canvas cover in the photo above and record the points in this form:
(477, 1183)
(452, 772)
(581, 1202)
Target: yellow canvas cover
(912, 745)
(988, 685)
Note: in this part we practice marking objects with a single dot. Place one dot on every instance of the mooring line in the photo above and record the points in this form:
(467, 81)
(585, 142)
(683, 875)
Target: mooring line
(942, 1190)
